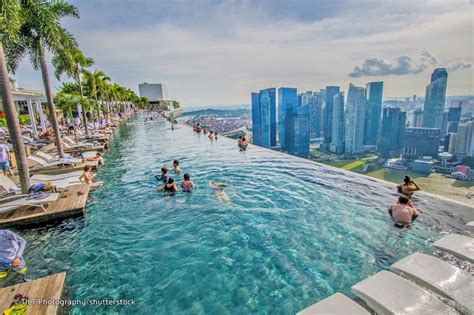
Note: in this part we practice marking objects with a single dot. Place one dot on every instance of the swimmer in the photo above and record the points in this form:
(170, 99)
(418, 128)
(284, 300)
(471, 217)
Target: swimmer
(187, 184)
(244, 144)
(408, 187)
(218, 191)
(169, 187)
(198, 128)
(164, 175)
(87, 177)
(215, 135)
(98, 157)
(402, 212)
(176, 168)
(239, 142)
(211, 136)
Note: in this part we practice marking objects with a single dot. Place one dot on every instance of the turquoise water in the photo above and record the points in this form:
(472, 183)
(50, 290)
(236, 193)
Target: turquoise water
(293, 233)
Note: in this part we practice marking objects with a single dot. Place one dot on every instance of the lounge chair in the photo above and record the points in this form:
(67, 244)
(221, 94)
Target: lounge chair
(336, 304)
(50, 178)
(54, 163)
(387, 293)
(9, 185)
(6, 205)
(458, 245)
(47, 157)
(438, 276)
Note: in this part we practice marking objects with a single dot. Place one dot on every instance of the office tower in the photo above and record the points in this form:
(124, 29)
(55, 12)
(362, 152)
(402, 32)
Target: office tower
(417, 118)
(337, 142)
(287, 102)
(419, 142)
(444, 125)
(354, 117)
(454, 117)
(153, 91)
(373, 112)
(435, 99)
(264, 118)
(464, 143)
(393, 129)
(328, 112)
(312, 99)
(298, 131)
(322, 105)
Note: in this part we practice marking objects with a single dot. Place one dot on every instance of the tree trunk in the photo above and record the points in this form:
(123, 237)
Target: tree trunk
(49, 98)
(81, 91)
(13, 125)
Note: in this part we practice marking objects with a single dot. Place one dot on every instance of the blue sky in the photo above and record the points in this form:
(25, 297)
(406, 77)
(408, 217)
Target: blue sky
(215, 52)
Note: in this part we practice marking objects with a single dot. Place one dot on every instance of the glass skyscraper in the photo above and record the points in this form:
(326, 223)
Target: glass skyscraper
(298, 131)
(354, 117)
(264, 118)
(312, 99)
(393, 130)
(287, 102)
(373, 112)
(337, 142)
(328, 112)
(435, 99)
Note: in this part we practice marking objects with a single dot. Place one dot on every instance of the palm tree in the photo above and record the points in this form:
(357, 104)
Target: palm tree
(10, 23)
(72, 62)
(94, 82)
(42, 29)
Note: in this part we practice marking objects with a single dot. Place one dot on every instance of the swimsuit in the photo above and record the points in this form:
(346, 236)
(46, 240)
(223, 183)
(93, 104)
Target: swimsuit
(187, 186)
(169, 189)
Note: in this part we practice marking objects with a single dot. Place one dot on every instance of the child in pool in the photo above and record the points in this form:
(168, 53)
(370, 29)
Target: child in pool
(164, 175)
(176, 168)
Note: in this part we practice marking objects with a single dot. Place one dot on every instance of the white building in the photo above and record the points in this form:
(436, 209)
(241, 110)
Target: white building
(464, 142)
(354, 120)
(153, 91)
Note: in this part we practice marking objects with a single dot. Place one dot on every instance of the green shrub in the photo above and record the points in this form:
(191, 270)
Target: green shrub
(22, 119)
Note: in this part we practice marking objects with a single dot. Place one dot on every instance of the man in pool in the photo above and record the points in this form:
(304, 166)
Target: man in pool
(176, 168)
(11, 253)
(218, 190)
(402, 212)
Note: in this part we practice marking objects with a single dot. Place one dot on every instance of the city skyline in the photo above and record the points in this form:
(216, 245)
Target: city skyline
(214, 53)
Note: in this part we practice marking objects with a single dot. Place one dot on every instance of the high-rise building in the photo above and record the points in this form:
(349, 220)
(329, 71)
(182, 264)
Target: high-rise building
(417, 118)
(264, 118)
(393, 129)
(153, 91)
(328, 112)
(354, 118)
(298, 131)
(322, 105)
(464, 143)
(454, 117)
(337, 141)
(312, 99)
(287, 102)
(419, 142)
(444, 125)
(373, 112)
(435, 99)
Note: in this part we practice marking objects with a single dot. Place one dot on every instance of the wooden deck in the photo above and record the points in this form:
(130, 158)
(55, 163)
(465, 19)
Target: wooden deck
(47, 288)
(71, 203)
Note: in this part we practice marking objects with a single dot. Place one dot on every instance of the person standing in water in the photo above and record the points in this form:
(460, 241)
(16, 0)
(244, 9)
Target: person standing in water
(187, 184)
(169, 187)
(408, 187)
(176, 168)
(402, 212)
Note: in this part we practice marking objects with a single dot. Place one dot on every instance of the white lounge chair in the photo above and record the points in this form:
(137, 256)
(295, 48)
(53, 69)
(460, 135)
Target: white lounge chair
(43, 163)
(336, 304)
(9, 185)
(60, 184)
(438, 276)
(47, 157)
(7, 206)
(387, 293)
(49, 178)
(458, 245)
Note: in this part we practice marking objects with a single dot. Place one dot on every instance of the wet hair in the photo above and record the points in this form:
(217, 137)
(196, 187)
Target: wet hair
(403, 200)
(243, 138)
(407, 179)
(240, 137)
(170, 180)
(197, 124)
(176, 162)
(87, 168)
(186, 176)
(98, 154)
(164, 170)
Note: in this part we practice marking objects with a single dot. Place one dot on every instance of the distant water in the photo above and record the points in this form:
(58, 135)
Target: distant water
(294, 232)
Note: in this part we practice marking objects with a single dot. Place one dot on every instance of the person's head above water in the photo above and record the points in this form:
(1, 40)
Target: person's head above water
(407, 179)
(243, 139)
(175, 162)
(186, 176)
(170, 180)
(403, 200)
(164, 170)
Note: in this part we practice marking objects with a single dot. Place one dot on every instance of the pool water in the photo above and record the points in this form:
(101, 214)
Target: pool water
(294, 232)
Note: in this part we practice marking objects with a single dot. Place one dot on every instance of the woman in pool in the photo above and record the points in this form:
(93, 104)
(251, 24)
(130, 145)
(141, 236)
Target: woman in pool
(164, 175)
(218, 190)
(169, 187)
(176, 168)
(187, 184)
(408, 187)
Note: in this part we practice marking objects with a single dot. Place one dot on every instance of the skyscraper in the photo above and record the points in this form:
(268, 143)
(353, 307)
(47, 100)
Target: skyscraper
(418, 142)
(354, 117)
(312, 99)
(417, 118)
(297, 131)
(435, 99)
(464, 143)
(328, 112)
(264, 118)
(393, 129)
(454, 117)
(373, 112)
(337, 142)
(287, 102)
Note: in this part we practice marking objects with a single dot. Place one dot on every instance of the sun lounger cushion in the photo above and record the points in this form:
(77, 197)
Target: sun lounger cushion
(458, 245)
(47, 177)
(24, 201)
(387, 293)
(336, 304)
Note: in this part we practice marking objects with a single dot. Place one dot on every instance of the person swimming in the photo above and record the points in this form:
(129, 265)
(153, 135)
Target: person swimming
(164, 175)
(169, 187)
(211, 135)
(402, 212)
(244, 144)
(176, 168)
(218, 190)
(187, 184)
(408, 187)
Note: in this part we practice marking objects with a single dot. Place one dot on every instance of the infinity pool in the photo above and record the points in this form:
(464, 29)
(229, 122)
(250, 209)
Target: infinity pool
(294, 232)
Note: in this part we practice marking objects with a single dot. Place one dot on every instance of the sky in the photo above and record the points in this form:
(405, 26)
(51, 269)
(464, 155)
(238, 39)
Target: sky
(216, 52)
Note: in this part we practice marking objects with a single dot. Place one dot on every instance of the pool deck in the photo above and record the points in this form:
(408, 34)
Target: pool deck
(71, 203)
(47, 288)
